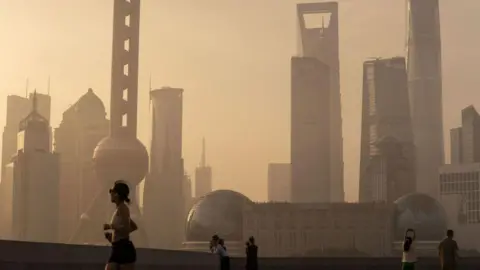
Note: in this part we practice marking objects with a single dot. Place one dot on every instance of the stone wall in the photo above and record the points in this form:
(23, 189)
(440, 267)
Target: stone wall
(35, 256)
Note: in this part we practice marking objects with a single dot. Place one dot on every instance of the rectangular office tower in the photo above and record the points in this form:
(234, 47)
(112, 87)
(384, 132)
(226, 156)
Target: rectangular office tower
(31, 184)
(310, 133)
(17, 109)
(279, 182)
(387, 152)
(318, 29)
(465, 140)
(425, 90)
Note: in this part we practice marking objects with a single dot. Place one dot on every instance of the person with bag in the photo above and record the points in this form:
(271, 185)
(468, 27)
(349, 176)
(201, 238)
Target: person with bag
(409, 257)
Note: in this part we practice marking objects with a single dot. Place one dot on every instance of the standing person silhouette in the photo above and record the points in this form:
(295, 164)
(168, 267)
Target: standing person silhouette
(123, 254)
(448, 252)
(409, 257)
(217, 246)
(251, 251)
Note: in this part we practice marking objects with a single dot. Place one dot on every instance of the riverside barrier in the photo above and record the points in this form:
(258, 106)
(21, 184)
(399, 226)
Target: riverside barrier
(15, 255)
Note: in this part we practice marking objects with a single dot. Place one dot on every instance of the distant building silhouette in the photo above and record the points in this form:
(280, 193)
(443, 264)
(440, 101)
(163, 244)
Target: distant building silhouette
(120, 156)
(279, 182)
(83, 125)
(424, 69)
(310, 136)
(319, 31)
(203, 175)
(30, 188)
(163, 199)
(465, 140)
(387, 163)
(17, 109)
(187, 193)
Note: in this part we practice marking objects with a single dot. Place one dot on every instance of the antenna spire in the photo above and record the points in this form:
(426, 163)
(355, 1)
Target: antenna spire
(203, 160)
(150, 83)
(48, 86)
(26, 89)
(35, 105)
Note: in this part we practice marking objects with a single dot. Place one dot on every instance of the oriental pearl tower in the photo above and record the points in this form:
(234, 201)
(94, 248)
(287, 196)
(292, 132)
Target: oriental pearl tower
(120, 156)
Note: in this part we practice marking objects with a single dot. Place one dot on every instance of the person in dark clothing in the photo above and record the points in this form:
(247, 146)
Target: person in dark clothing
(251, 251)
(448, 252)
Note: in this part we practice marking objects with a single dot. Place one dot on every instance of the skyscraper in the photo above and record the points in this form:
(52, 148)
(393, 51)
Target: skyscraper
(465, 140)
(83, 125)
(17, 109)
(310, 139)
(203, 175)
(279, 182)
(120, 156)
(34, 183)
(163, 199)
(425, 90)
(386, 135)
(318, 23)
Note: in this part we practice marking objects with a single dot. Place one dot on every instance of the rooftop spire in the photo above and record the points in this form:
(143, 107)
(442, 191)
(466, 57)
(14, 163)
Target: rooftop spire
(35, 101)
(48, 86)
(203, 160)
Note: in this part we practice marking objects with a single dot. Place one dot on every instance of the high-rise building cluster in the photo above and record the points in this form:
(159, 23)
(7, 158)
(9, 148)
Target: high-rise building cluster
(401, 130)
(57, 190)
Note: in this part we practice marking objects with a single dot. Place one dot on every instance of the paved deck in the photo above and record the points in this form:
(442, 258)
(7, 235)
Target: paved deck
(40, 256)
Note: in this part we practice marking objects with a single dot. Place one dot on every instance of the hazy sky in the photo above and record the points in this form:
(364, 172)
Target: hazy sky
(233, 59)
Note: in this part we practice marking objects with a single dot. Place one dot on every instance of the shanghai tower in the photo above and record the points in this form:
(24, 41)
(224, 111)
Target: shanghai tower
(425, 90)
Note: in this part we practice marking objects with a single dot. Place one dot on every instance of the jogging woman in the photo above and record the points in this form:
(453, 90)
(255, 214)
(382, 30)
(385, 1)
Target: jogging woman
(123, 254)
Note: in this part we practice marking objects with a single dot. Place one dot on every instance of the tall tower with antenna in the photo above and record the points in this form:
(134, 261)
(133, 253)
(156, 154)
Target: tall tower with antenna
(121, 156)
(203, 174)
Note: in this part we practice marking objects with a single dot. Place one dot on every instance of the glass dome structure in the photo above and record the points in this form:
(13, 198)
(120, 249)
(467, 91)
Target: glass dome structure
(219, 212)
(422, 213)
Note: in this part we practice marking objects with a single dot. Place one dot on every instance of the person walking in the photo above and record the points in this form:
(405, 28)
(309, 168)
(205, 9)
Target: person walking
(409, 257)
(448, 252)
(251, 252)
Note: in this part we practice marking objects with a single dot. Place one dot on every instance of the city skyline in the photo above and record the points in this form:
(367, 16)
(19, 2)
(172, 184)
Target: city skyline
(224, 155)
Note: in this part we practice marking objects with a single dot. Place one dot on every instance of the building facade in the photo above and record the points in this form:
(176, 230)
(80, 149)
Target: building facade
(33, 182)
(424, 69)
(465, 140)
(387, 162)
(456, 145)
(320, 229)
(319, 31)
(17, 109)
(464, 181)
(203, 175)
(83, 126)
(163, 200)
(310, 140)
(279, 182)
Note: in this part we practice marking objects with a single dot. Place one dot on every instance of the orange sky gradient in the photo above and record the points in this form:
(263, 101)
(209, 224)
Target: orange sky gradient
(232, 58)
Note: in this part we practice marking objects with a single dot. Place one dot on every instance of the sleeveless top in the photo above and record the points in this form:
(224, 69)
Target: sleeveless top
(117, 221)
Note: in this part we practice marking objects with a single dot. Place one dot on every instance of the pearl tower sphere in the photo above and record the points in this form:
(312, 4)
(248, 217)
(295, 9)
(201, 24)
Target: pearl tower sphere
(120, 158)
